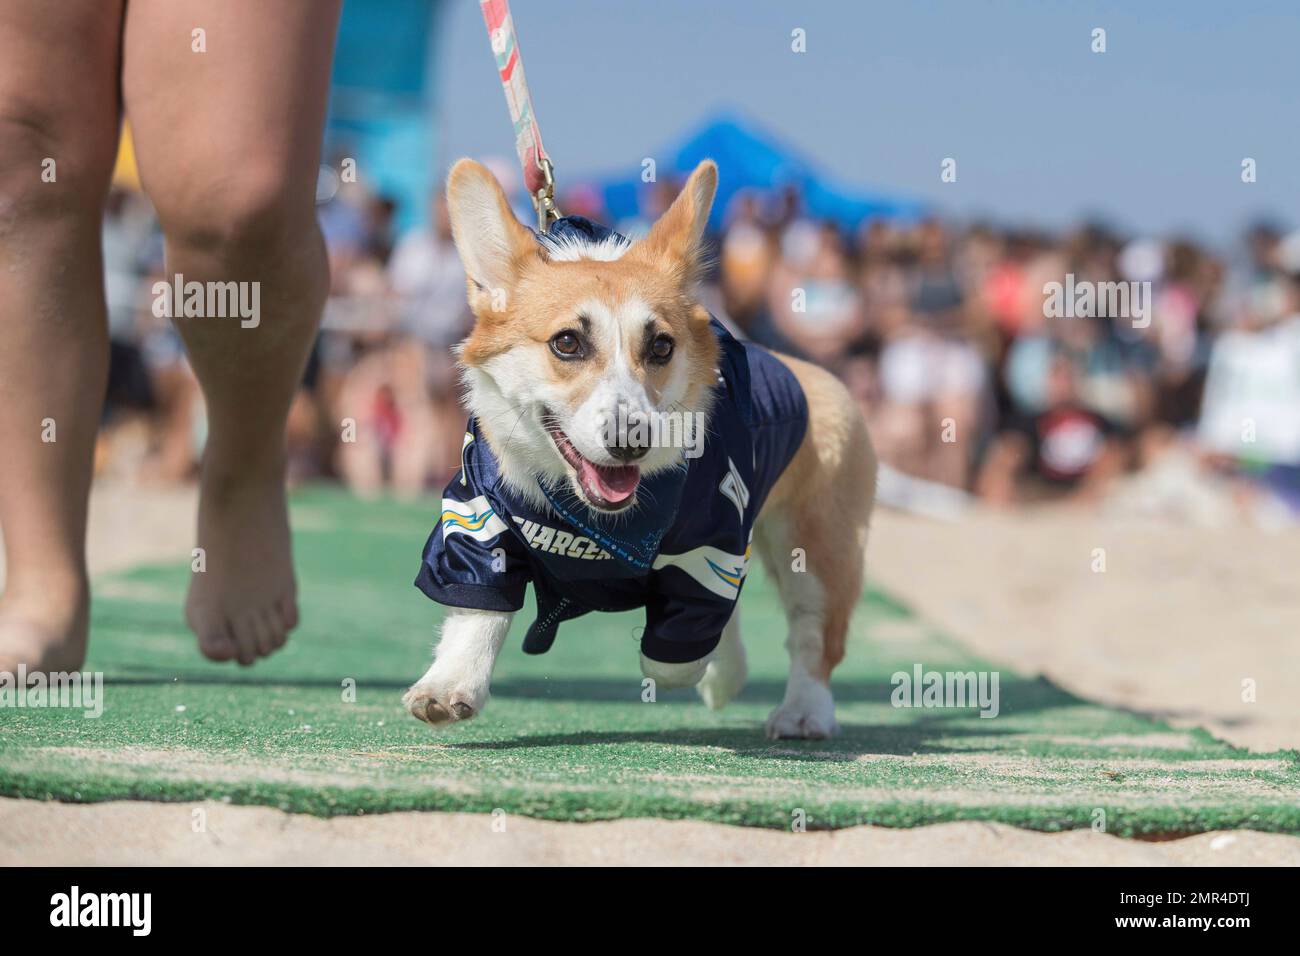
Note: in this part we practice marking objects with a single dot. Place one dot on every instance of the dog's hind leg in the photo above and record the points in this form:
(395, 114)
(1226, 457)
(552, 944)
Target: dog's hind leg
(726, 672)
(812, 537)
(808, 709)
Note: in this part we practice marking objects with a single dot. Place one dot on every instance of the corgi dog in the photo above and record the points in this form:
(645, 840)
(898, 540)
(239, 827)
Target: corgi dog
(581, 339)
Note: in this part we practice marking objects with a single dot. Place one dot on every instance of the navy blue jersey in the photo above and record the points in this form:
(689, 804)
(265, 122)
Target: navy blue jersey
(681, 553)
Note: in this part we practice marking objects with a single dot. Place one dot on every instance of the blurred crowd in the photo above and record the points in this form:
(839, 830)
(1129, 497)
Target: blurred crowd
(968, 380)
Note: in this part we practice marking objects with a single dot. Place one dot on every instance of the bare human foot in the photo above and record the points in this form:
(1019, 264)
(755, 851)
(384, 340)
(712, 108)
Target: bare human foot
(44, 630)
(242, 604)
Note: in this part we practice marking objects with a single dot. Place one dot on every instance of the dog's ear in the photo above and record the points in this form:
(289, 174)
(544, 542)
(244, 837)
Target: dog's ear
(675, 242)
(492, 243)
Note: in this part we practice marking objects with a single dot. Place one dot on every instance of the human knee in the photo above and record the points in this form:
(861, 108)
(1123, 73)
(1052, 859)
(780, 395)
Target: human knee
(244, 210)
(47, 174)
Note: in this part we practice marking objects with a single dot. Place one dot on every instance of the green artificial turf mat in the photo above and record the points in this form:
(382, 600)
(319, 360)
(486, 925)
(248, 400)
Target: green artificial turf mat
(567, 736)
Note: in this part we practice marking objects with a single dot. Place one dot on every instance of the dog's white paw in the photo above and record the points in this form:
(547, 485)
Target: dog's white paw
(671, 676)
(455, 687)
(808, 714)
(443, 702)
(722, 681)
(801, 723)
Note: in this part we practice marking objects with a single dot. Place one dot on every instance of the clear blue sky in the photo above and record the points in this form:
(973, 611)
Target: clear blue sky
(1149, 135)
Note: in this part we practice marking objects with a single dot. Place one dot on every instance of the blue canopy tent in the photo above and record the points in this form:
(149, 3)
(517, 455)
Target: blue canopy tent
(750, 158)
(382, 98)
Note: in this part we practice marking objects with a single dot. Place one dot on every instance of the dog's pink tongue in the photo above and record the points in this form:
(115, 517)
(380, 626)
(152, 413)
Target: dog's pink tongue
(612, 483)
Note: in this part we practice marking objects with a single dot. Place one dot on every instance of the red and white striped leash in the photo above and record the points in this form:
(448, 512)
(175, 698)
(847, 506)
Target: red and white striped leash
(539, 174)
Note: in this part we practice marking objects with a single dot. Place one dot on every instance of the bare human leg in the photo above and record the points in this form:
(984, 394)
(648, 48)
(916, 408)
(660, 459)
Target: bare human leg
(59, 116)
(228, 140)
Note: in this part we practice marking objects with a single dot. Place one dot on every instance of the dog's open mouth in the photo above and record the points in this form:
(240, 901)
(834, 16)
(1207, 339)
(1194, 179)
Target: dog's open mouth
(608, 487)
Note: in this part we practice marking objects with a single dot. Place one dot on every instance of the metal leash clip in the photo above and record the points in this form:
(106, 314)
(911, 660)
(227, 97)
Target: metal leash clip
(544, 200)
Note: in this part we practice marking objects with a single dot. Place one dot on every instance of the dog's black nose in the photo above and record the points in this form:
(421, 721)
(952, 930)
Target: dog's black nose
(628, 452)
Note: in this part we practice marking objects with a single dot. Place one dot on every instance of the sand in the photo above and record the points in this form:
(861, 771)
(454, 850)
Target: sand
(1174, 626)
(108, 834)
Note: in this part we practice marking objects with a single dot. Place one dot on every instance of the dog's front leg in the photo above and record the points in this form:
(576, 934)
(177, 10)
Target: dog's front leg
(455, 687)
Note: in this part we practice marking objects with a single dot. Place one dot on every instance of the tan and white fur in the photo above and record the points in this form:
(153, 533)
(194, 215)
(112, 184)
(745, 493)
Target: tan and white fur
(620, 302)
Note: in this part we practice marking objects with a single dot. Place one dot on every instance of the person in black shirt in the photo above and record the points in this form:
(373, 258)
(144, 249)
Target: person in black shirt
(1066, 451)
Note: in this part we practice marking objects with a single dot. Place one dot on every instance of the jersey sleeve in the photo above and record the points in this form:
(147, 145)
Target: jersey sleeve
(472, 560)
(692, 598)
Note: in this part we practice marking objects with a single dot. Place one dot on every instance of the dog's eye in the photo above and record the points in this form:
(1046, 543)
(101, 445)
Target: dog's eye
(566, 345)
(661, 349)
